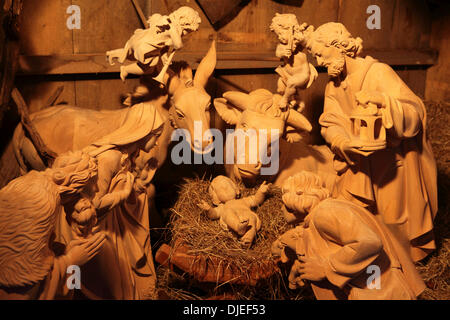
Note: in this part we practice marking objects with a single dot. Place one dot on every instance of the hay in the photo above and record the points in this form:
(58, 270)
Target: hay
(435, 270)
(205, 236)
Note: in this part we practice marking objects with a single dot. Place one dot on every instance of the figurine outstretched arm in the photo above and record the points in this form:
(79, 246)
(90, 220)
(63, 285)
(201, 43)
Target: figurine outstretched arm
(258, 198)
(213, 213)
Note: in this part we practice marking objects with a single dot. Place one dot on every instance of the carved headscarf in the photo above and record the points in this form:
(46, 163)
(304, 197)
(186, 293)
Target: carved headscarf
(141, 120)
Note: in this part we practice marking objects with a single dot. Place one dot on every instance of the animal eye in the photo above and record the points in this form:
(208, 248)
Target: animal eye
(180, 114)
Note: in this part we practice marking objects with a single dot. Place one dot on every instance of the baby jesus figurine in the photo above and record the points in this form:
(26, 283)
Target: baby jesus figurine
(235, 214)
(296, 72)
(149, 47)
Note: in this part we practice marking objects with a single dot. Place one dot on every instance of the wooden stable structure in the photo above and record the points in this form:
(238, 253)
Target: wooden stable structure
(53, 57)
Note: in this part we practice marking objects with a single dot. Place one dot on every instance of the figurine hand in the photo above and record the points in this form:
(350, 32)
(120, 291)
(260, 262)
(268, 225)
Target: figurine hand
(294, 278)
(312, 269)
(204, 205)
(264, 188)
(80, 251)
(357, 146)
(365, 97)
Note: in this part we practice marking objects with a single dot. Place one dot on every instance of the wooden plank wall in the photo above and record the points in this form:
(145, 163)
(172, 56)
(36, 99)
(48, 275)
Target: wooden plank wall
(53, 55)
(438, 76)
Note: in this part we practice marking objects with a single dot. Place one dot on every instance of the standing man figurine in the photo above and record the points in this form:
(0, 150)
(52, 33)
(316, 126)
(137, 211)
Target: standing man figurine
(394, 179)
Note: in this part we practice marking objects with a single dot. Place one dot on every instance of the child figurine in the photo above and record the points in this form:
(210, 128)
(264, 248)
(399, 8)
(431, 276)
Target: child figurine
(235, 214)
(84, 217)
(296, 72)
(157, 43)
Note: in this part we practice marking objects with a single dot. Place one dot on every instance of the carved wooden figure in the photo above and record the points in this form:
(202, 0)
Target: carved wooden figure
(129, 145)
(341, 248)
(235, 214)
(121, 211)
(395, 177)
(259, 111)
(30, 207)
(295, 73)
(155, 47)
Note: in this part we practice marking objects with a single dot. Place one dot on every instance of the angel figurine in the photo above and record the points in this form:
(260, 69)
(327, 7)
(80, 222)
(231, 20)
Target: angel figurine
(157, 44)
(235, 214)
(296, 72)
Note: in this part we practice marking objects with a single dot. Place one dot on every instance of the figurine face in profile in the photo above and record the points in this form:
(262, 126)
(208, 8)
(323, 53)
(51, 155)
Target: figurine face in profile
(329, 57)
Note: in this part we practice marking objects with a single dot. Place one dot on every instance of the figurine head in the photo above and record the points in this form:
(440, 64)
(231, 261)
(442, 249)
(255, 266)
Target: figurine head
(84, 210)
(330, 44)
(301, 193)
(187, 18)
(257, 114)
(287, 28)
(190, 104)
(72, 172)
(223, 189)
(28, 209)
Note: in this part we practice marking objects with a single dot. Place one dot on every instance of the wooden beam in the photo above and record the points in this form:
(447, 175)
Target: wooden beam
(97, 63)
(47, 155)
(140, 14)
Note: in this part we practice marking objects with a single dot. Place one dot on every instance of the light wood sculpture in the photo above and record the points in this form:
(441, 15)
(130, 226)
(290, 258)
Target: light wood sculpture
(395, 176)
(154, 48)
(30, 207)
(235, 214)
(341, 248)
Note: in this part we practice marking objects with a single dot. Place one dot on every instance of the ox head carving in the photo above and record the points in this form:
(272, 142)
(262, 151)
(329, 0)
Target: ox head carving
(259, 111)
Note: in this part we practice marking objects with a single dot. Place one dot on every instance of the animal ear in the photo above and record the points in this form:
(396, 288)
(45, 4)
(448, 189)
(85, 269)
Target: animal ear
(298, 121)
(206, 67)
(173, 85)
(229, 113)
(239, 99)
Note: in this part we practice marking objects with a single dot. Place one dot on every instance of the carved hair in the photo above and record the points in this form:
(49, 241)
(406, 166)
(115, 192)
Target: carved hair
(72, 172)
(288, 20)
(266, 103)
(28, 207)
(187, 18)
(335, 34)
(303, 190)
(222, 189)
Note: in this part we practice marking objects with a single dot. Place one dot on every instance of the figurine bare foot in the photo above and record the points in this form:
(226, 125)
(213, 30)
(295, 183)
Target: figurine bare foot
(246, 243)
(110, 57)
(242, 226)
(123, 73)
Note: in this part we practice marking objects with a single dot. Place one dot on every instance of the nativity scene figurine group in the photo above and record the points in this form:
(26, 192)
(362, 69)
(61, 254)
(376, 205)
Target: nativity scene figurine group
(367, 199)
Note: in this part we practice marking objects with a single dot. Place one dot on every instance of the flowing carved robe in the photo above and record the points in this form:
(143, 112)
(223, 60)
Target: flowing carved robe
(399, 182)
(124, 267)
(351, 240)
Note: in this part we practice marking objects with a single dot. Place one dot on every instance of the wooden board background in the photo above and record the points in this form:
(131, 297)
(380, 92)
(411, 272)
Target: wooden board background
(53, 56)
